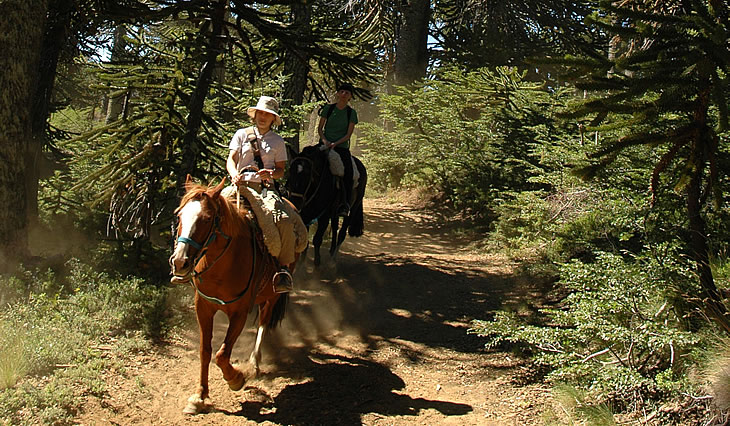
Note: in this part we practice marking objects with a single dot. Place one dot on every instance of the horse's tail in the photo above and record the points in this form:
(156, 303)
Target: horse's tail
(357, 220)
(277, 314)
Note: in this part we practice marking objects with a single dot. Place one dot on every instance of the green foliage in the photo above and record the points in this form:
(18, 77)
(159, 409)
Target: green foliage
(615, 333)
(571, 222)
(487, 33)
(666, 88)
(56, 335)
(472, 135)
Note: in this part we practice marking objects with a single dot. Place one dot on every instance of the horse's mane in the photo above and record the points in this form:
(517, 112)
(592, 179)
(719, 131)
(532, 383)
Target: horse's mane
(310, 151)
(233, 221)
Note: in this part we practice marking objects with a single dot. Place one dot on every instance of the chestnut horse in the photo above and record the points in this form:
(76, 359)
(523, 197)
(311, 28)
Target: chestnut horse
(218, 253)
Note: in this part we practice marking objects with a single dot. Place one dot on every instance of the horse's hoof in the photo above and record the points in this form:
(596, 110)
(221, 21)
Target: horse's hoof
(237, 382)
(195, 405)
(253, 365)
(245, 373)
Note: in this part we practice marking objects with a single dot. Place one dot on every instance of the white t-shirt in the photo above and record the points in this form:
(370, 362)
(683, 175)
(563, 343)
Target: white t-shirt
(271, 147)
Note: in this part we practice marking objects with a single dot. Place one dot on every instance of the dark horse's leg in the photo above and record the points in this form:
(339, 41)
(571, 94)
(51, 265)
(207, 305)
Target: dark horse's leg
(355, 218)
(334, 224)
(196, 403)
(341, 234)
(322, 223)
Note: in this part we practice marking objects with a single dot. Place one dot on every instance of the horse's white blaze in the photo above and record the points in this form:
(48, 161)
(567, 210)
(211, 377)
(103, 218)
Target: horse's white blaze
(300, 168)
(188, 216)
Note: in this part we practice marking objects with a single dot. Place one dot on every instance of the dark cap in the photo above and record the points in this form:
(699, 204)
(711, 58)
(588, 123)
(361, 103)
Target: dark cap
(346, 86)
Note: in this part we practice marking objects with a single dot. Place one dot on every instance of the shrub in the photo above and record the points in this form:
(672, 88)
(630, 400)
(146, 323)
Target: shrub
(53, 362)
(614, 333)
(472, 135)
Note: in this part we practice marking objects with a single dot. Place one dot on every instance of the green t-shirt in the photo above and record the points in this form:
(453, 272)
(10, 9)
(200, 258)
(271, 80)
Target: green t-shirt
(337, 124)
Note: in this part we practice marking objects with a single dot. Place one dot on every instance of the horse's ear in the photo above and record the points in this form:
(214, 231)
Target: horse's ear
(218, 188)
(188, 182)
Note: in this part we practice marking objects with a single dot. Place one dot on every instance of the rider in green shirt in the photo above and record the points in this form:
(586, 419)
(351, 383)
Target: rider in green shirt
(336, 124)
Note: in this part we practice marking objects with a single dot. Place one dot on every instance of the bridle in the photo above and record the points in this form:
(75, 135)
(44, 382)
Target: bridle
(202, 251)
(314, 175)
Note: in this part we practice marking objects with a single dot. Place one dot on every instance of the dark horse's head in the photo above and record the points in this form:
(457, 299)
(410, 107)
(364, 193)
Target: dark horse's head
(306, 170)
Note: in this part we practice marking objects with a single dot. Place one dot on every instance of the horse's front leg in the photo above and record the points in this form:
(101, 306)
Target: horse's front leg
(334, 224)
(342, 234)
(197, 402)
(235, 377)
(318, 237)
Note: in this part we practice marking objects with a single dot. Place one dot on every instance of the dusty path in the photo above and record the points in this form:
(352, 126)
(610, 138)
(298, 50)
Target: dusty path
(378, 339)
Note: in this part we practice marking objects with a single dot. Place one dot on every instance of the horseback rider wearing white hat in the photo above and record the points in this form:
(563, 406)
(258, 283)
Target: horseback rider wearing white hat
(257, 157)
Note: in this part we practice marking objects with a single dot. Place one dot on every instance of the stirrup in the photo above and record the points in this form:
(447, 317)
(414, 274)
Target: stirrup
(283, 281)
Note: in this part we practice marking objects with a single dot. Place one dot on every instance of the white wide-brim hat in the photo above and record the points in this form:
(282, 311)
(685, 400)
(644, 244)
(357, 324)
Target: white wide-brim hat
(267, 104)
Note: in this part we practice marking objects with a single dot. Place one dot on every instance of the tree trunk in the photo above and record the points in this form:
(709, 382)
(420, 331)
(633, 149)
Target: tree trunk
(191, 148)
(116, 103)
(56, 30)
(296, 66)
(712, 300)
(21, 38)
(411, 49)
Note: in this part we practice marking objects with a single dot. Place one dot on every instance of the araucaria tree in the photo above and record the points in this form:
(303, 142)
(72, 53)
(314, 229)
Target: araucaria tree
(666, 87)
(21, 30)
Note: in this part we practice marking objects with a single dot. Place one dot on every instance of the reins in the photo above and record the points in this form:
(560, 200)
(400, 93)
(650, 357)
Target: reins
(203, 250)
(309, 184)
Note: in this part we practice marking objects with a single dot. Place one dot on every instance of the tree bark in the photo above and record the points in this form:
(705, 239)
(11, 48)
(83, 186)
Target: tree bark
(191, 148)
(116, 103)
(411, 49)
(296, 66)
(711, 298)
(21, 38)
(56, 31)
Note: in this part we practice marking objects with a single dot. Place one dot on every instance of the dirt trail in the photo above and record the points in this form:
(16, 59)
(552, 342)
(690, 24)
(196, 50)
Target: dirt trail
(378, 339)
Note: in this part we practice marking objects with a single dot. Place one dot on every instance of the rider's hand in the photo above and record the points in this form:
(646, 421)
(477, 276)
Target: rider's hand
(266, 174)
(236, 179)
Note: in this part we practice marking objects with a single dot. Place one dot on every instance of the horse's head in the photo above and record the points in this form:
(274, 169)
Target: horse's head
(305, 170)
(198, 215)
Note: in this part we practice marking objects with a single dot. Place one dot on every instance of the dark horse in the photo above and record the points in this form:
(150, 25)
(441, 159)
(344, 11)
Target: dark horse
(218, 252)
(314, 191)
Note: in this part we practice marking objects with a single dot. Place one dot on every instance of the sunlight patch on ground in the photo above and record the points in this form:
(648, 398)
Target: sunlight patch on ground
(400, 313)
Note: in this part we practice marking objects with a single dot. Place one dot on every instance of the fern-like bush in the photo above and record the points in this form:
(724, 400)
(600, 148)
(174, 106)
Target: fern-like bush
(616, 333)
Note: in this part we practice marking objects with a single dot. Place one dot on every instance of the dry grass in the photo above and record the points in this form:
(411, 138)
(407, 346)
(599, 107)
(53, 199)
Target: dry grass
(13, 362)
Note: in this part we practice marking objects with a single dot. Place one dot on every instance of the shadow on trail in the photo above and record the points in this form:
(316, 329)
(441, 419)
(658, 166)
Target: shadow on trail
(340, 391)
(394, 284)
(386, 297)
(395, 287)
